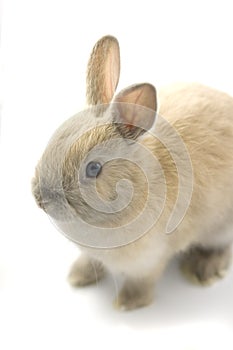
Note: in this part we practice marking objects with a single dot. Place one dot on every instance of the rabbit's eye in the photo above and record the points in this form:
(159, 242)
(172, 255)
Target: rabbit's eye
(93, 169)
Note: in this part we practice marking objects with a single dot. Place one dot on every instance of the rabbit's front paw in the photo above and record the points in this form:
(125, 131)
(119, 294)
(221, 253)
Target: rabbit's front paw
(133, 296)
(85, 271)
(206, 266)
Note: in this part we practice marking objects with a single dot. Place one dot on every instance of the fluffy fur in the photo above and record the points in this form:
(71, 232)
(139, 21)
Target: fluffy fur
(203, 118)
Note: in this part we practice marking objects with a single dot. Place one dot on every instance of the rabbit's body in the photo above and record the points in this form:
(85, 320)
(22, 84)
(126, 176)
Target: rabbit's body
(209, 220)
(203, 119)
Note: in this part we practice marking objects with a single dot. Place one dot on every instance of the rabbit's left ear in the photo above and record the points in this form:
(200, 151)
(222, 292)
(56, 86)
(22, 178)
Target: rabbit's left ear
(134, 110)
(103, 71)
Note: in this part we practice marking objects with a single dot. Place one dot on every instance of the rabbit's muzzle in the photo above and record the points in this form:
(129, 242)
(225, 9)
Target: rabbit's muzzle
(53, 201)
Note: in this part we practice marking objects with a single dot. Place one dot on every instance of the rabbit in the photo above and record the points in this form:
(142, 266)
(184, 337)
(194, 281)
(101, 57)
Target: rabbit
(192, 142)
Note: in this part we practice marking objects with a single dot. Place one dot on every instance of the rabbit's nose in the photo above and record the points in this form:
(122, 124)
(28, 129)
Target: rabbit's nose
(44, 196)
(50, 195)
(53, 201)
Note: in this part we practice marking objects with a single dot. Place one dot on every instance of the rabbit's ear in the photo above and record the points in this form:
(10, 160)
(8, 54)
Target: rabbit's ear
(134, 110)
(103, 71)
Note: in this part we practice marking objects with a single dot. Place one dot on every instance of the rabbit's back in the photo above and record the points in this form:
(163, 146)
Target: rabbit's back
(183, 100)
(203, 117)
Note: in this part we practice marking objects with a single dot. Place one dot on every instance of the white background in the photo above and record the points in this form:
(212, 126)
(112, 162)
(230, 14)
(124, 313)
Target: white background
(44, 51)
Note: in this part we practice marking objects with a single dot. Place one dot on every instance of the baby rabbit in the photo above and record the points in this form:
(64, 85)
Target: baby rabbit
(133, 186)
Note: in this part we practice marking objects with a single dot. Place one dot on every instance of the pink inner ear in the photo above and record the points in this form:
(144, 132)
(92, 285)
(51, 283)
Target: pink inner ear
(112, 72)
(137, 106)
(141, 94)
(103, 71)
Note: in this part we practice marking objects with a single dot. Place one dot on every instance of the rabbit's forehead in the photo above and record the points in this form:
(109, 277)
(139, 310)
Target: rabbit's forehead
(70, 144)
(75, 138)
(78, 125)
(92, 142)
(79, 128)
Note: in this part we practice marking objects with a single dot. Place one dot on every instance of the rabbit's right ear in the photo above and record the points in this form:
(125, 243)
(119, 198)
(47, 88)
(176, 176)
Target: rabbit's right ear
(103, 71)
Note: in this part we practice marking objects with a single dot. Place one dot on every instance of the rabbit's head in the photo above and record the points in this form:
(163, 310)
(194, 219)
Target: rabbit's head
(93, 167)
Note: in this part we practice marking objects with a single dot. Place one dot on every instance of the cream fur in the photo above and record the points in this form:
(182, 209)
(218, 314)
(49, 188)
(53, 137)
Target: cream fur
(203, 117)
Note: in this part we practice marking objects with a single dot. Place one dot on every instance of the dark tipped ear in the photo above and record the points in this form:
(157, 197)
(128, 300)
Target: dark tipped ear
(134, 110)
(103, 71)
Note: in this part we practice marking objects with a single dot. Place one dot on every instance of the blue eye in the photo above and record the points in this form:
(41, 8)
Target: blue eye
(93, 169)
